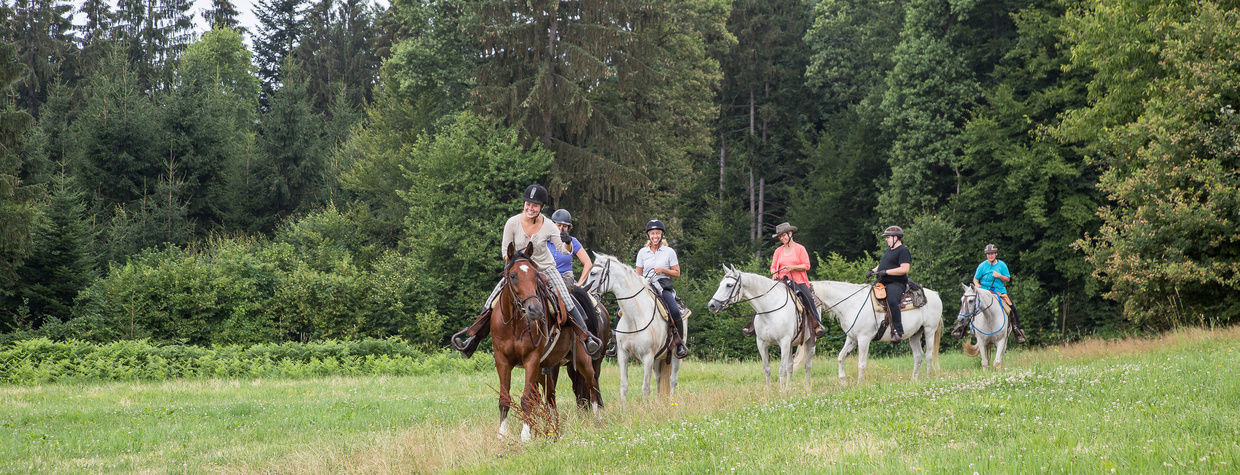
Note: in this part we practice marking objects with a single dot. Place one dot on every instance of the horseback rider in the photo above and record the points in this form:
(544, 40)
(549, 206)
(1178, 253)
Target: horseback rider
(526, 227)
(995, 274)
(656, 261)
(790, 263)
(564, 262)
(892, 271)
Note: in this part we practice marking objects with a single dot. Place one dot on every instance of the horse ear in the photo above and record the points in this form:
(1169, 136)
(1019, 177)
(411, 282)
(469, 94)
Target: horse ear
(512, 251)
(964, 286)
(529, 249)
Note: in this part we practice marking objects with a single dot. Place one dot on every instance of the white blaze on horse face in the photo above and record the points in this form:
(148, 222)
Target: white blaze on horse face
(524, 268)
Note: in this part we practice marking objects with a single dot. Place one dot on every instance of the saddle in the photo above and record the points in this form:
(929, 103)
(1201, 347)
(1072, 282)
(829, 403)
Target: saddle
(661, 308)
(914, 297)
(803, 315)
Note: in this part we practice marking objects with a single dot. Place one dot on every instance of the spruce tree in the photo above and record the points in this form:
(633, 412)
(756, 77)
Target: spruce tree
(63, 261)
(290, 167)
(223, 14)
(16, 200)
(41, 30)
(279, 31)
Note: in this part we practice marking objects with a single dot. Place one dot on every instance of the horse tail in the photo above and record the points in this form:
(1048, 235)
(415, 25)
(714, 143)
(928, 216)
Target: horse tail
(934, 347)
(969, 348)
(665, 376)
(800, 357)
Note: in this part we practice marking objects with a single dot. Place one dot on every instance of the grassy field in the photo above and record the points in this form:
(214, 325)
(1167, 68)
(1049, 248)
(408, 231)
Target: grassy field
(1162, 404)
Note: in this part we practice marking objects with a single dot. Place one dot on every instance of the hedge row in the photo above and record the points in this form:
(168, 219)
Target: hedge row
(37, 361)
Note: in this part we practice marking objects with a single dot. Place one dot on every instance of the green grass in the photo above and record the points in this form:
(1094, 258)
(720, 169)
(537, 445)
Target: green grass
(1165, 404)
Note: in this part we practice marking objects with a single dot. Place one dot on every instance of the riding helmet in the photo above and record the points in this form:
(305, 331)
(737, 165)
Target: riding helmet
(655, 224)
(991, 248)
(536, 194)
(561, 216)
(893, 231)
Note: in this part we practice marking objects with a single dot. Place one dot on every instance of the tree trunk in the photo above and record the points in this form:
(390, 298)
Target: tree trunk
(723, 154)
(751, 112)
(551, 36)
(752, 235)
(761, 209)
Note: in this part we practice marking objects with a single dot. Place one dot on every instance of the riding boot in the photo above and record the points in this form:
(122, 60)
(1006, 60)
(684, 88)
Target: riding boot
(1020, 334)
(593, 344)
(819, 330)
(611, 347)
(897, 328)
(961, 325)
(682, 350)
(475, 333)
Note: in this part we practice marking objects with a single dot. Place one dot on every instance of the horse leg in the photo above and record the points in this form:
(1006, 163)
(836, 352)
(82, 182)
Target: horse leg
(529, 397)
(587, 375)
(764, 351)
(785, 364)
(809, 360)
(1000, 346)
(674, 377)
(579, 385)
(505, 385)
(622, 360)
(914, 343)
(981, 349)
(849, 344)
(863, 354)
(648, 370)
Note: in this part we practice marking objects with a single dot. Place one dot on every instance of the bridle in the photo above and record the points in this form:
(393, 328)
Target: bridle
(603, 282)
(735, 293)
(511, 289)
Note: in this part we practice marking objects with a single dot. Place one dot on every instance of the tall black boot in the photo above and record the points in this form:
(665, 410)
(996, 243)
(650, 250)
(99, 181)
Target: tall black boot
(1020, 334)
(682, 350)
(466, 341)
(897, 327)
(593, 344)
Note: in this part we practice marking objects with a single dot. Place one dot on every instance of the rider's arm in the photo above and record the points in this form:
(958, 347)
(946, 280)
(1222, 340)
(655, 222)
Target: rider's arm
(553, 235)
(976, 284)
(586, 264)
(902, 270)
(674, 271)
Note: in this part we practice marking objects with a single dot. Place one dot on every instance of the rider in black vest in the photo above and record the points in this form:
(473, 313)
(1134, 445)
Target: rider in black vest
(892, 271)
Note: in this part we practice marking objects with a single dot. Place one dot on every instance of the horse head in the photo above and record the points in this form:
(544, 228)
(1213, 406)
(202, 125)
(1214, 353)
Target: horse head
(969, 305)
(728, 291)
(521, 280)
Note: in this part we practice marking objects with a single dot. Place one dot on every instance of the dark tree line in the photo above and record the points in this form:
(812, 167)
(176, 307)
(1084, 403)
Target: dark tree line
(1093, 142)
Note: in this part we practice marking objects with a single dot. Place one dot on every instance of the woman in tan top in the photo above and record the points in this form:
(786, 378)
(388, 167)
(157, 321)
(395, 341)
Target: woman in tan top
(530, 226)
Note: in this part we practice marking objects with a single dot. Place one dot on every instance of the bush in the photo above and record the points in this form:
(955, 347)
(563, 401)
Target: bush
(38, 361)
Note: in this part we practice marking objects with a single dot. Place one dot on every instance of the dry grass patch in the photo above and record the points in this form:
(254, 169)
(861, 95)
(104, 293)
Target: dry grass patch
(834, 450)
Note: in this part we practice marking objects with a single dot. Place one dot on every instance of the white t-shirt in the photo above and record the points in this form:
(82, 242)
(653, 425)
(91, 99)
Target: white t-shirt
(647, 259)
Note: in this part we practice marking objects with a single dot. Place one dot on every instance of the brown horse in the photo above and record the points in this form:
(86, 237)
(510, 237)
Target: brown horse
(523, 335)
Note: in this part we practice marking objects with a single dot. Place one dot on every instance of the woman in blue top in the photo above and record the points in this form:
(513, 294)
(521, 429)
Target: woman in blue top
(991, 275)
(564, 262)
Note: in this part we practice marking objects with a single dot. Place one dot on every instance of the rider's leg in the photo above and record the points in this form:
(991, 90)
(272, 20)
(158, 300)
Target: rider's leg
(592, 342)
(895, 291)
(807, 297)
(673, 309)
(467, 340)
(1020, 334)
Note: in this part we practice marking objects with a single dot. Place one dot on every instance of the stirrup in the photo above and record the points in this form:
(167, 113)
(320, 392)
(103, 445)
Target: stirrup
(821, 331)
(896, 337)
(748, 331)
(1020, 335)
(460, 343)
(593, 344)
(681, 351)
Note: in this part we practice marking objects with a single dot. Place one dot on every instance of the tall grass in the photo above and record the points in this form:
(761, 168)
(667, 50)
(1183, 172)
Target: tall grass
(1129, 405)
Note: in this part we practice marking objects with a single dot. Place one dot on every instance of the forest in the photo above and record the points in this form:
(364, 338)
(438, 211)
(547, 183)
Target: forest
(343, 169)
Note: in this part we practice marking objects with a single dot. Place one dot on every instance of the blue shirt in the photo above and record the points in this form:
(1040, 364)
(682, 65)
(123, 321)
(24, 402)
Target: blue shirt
(563, 262)
(988, 280)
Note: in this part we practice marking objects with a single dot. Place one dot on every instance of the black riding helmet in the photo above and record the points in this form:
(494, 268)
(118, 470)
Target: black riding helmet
(893, 231)
(536, 194)
(655, 224)
(561, 216)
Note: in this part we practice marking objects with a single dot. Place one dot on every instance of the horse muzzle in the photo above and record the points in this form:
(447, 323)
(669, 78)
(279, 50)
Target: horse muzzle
(714, 306)
(533, 311)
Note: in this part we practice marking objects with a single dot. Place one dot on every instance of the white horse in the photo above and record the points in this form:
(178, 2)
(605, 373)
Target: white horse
(641, 331)
(853, 305)
(991, 325)
(774, 324)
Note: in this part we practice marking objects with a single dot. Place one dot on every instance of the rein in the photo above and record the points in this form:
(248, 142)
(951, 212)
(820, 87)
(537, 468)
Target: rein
(856, 317)
(736, 292)
(977, 308)
(654, 314)
(520, 302)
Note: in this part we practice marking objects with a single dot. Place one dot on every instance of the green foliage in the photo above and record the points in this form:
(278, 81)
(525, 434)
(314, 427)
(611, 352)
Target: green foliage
(465, 182)
(63, 260)
(40, 361)
(17, 210)
(1168, 242)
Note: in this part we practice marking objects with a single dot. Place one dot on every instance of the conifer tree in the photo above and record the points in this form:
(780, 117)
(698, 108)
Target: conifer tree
(41, 31)
(63, 260)
(279, 31)
(223, 14)
(16, 200)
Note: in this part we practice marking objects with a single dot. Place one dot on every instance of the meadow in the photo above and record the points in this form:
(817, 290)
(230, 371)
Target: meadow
(1166, 403)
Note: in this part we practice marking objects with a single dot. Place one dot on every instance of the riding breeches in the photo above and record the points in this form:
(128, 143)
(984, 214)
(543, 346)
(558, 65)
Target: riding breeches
(895, 292)
(557, 282)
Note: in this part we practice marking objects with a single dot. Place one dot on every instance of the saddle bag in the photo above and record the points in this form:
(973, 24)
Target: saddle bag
(880, 291)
